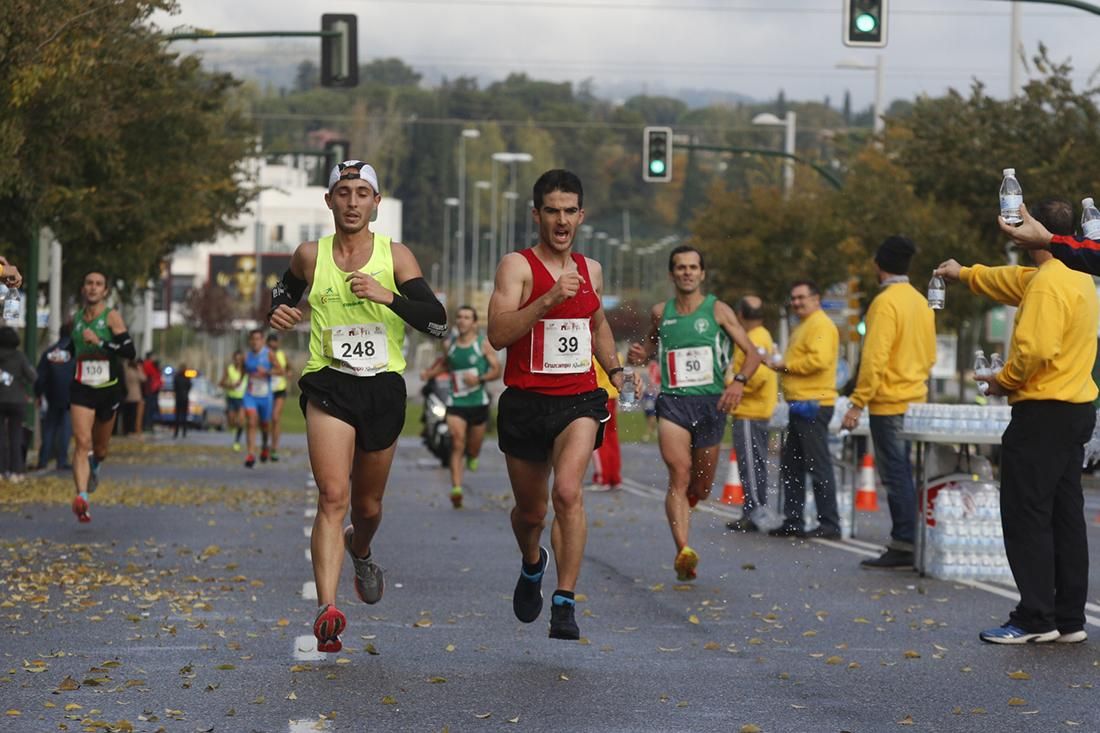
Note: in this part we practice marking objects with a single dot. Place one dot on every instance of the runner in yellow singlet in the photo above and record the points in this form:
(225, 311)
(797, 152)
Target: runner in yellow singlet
(364, 289)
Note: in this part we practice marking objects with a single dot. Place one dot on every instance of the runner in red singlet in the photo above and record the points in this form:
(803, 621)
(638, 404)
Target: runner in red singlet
(546, 310)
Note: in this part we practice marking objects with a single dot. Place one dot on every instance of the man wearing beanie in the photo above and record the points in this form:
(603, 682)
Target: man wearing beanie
(898, 353)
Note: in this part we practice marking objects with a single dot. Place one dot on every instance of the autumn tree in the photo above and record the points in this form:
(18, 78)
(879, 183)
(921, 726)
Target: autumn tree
(124, 149)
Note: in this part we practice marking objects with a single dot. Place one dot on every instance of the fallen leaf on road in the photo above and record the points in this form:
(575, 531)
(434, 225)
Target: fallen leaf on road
(1016, 701)
(693, 619)
(1019, 675)
(750, 728)
(910, 654)
(907, 720)
(389, 700)
(68, 684)
(482, 716)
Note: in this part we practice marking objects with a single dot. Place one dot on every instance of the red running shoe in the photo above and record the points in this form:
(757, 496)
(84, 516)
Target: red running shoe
(264, 455)
(250, 461)
(327, 627)
(80, 509)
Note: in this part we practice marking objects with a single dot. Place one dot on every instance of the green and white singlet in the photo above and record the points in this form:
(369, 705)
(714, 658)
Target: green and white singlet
(694, 350)
(96, 367)
(461, 362)
(348, 334)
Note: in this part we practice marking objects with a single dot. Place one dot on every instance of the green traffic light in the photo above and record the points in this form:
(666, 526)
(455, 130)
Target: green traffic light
(657, 167)
(861, 328)
(866, 23)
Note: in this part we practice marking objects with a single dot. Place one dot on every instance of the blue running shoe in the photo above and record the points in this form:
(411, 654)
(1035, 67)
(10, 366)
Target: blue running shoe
(1009, 634)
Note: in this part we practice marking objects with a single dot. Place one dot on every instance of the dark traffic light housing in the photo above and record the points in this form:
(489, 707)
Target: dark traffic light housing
(865, 23)
(339, 53)
(657, 154)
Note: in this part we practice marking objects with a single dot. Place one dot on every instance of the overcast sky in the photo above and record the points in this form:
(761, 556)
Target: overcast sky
(754, 47)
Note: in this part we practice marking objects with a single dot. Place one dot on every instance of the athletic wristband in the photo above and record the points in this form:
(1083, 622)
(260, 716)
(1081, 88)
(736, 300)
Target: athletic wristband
(614, 371)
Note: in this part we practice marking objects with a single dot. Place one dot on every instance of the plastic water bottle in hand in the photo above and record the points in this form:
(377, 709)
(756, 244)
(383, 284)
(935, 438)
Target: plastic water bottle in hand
(628, 398)
(13, 305)
(1090, 219)
(996, 363)
(981, 370)
(937, 292)
(1011, 197)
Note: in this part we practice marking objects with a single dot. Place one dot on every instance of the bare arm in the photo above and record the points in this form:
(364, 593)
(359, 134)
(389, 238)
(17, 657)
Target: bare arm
(641, 351)
(508, 322)
(494, 370)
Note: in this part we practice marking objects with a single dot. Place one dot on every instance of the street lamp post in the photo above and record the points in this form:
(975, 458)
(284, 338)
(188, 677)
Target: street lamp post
(616, 265)
(448, 204)
(511, 159)
(769, 120)
(507, 238)
(879, 123)
(602, 253)
(475, 274)
(467, 134)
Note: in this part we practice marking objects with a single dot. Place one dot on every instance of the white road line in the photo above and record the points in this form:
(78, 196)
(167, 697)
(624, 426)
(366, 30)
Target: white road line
(309, 726)
(307, 531)
(309, 555)
(854, 546)
(305, 649)
(311, 512)
(309, 591)
(310, 483)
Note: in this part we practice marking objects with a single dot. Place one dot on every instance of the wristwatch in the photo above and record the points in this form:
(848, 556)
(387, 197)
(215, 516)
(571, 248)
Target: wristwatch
(740, 378)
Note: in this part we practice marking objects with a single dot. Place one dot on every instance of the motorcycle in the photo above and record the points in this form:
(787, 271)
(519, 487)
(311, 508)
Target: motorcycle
(436, 435)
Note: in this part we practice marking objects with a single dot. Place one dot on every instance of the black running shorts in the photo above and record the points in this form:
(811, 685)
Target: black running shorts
(374, 406)
(473, 415)
(529, 422)
(104, 400)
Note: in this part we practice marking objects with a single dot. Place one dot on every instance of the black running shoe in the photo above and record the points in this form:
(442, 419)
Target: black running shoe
(527, 597)
(563, 622)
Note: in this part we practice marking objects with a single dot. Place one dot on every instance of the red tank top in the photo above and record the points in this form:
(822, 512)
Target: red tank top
(548, 358)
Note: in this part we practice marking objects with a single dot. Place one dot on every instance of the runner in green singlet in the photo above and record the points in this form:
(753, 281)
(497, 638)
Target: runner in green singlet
(694, 334)
(365, 288)
(99, 344)
(471, 362)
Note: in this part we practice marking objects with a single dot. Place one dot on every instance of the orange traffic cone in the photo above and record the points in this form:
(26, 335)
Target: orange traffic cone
(733, 493)
(866, 496)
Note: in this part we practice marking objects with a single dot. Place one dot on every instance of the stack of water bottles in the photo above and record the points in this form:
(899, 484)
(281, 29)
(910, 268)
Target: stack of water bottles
(960, 420)
(966, 541)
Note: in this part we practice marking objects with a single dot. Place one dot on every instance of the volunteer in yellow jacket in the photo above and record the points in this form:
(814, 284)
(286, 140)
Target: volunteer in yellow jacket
(752, 415)
(898, 353)
(365, 288)
(809, 386)
(1047, 377)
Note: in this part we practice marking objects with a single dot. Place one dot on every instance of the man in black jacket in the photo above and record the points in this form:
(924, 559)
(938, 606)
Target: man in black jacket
(56, 369)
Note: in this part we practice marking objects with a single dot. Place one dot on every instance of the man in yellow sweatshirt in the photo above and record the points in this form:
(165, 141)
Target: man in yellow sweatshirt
(1047, 377)
(898, 354)
(751, 417)
(809, 386)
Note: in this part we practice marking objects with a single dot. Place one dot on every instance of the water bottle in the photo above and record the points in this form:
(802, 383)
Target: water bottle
(1011, 197)
(13, 305)
(937, 292)
(981, 370)
(6, 378)
(628, 398)
(1090, 219)
(996, 363)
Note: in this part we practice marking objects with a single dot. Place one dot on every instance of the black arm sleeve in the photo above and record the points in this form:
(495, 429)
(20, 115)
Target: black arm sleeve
(418, 307)
(288, 291)
(121, 345)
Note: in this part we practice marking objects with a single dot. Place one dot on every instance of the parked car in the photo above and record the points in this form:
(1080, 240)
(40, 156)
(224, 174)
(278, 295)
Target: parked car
(205, 405)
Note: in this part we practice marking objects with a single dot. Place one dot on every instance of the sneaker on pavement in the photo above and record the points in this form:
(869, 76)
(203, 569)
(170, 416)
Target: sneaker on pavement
(93, 473)
(744, 524)
(785, 530)
(471, 463)
(527, 597)
(1072, 637)
(264, 455)
(327, 627)
(370, 579)
(1009, 634)
(456, 497)
(820, 533)
(274, 457)
(563, 620)
(236, 447)
(80, 509)
(891, 559)
(686, 561)
(249, 461)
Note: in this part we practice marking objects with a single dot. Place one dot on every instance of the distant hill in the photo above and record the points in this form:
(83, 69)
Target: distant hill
(276, 65)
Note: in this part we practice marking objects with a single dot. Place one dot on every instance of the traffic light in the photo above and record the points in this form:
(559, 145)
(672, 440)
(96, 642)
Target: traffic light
(336, 151)
(340, 53)
(865, 23)
(657, 154)
(857, 326)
